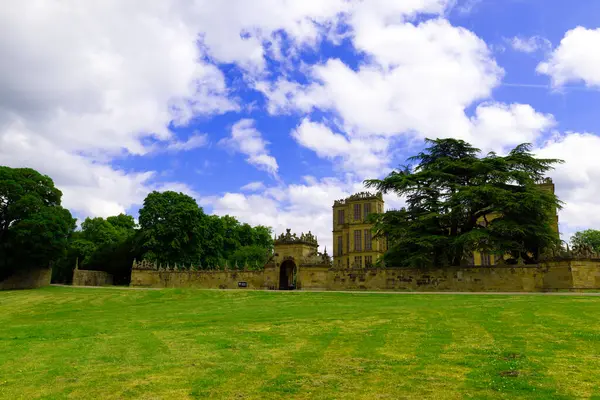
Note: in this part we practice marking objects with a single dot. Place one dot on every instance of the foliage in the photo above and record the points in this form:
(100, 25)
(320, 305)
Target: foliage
(458, 202)
(103, 245)
(172, 228)
(34, 228)
(253, 257)
(590, 238)
(175, 230)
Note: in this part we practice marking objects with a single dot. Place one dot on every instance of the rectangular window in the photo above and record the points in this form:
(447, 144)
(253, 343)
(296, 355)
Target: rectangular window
(340, 246)
(348, 244)
(368, 239)
(367, 210)
(368, 261)
(341, 217)
(357, 241)
(357, 212)
(358, 261)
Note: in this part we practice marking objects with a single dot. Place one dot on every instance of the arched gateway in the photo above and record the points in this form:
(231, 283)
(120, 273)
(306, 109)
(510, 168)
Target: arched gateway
(287, 275)
(292, 254)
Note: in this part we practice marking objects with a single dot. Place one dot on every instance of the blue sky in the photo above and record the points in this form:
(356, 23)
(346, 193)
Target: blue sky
(270, 110)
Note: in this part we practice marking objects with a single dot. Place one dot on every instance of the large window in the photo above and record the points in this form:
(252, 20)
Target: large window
(348, 243)
(358, 261)
(341, 217)
(368, 261)
(340, 246)
(357, 241)
(367, 210)
(357, 212)
(368, 239)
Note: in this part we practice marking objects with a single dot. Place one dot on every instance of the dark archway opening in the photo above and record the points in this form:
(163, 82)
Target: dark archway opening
(287, 275)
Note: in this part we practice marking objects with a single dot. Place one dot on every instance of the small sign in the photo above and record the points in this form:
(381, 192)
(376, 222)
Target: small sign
(242, 284)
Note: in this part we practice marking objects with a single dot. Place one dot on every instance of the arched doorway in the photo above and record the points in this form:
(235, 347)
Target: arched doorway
(287, 275)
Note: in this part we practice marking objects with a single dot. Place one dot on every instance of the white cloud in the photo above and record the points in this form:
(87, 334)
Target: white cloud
(247, 140)
(193, 142)
(91, 80)
(420, 79)
(577, 179)
(530, 44)
(89, 188)
(363, 156)
(467, 6)
(253, 187)
(576, 59)
(80, 83)
(498, 127)
(300, 207)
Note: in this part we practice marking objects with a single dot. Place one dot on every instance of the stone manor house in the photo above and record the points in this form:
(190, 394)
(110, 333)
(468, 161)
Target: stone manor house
(296, 263)
(353, 245)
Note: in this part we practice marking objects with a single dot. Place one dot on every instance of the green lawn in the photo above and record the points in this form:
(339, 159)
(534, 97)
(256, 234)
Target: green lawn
(75, 343)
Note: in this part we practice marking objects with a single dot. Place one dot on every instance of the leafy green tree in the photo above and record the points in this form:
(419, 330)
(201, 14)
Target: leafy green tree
(458, 202)
(172, 228)
(254, 257)
(590, 238)
(34, 228)
(225, 237)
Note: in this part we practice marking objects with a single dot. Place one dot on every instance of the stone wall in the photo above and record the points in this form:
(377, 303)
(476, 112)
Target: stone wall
(83, 277)
(551, 276)
(586, 274)
(27, 279)
(473, 279)
(313, 277)
(264, 279)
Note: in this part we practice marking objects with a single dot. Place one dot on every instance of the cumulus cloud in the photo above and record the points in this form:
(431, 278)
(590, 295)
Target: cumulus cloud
(80, 84)
(300, 207)
(366, 156)
(498, 127)
(421, 79)
(577, 179)
(253, 187)
(246, 139)
(530, 44)
(576, 59)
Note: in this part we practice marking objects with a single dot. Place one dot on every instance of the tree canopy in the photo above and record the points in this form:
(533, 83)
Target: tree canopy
(588, 239)
(174, 229)
(458, 202)
(34, 228)
(35, 231)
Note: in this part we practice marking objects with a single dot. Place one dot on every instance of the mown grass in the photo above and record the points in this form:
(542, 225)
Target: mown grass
(58, 343)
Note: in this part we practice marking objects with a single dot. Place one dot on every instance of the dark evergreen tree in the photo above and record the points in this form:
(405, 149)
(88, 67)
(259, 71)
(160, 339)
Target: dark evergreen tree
(458, 202)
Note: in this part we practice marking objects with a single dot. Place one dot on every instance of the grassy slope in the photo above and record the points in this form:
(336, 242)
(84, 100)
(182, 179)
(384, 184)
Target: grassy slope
(175, 344)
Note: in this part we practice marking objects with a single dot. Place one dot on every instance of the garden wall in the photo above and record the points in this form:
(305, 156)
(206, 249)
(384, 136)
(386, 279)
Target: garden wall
(264, 279)
(551, 276)
(28, 279)
(82, 277)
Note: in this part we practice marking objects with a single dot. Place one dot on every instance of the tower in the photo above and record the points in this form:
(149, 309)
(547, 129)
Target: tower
(353, 245)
